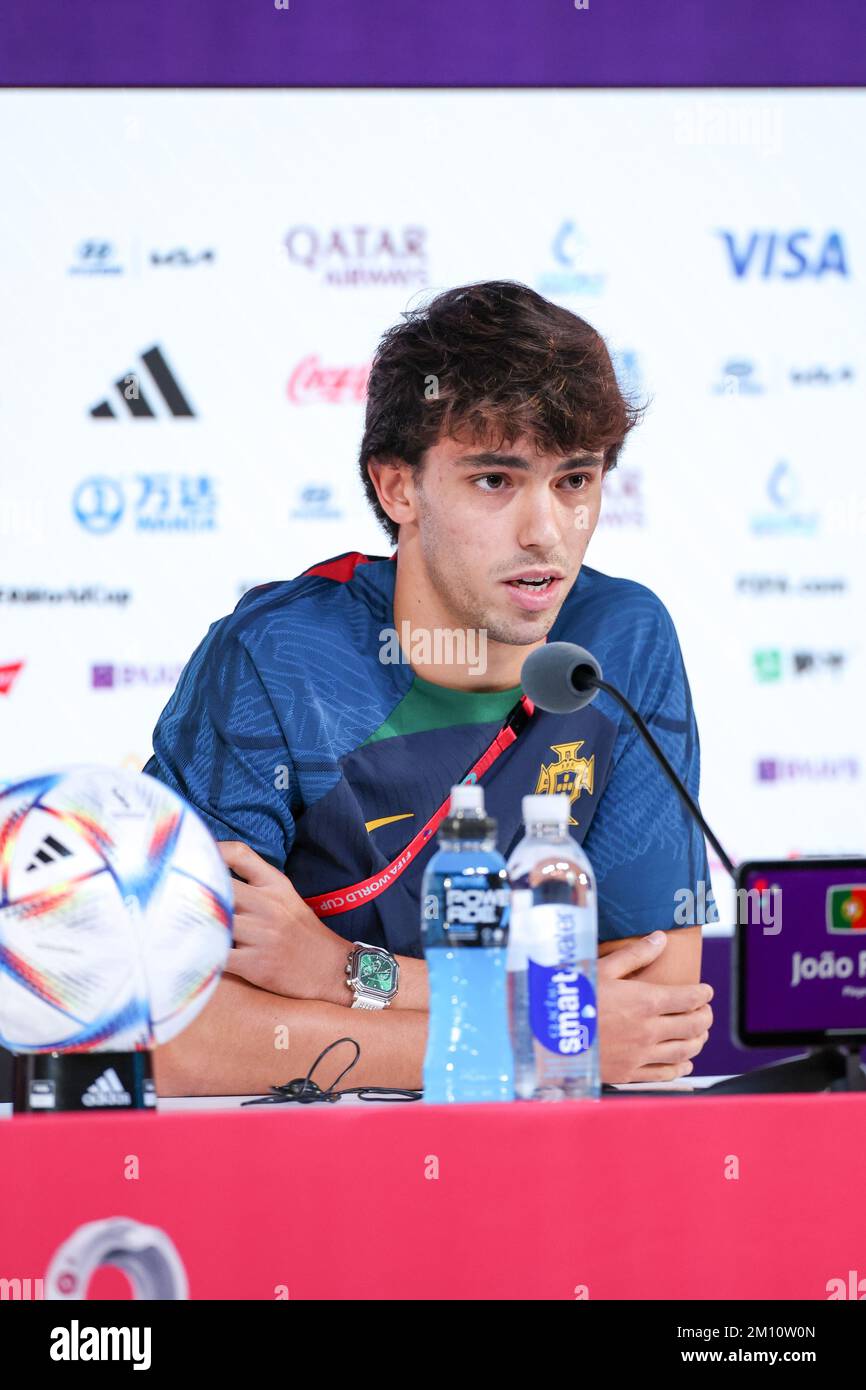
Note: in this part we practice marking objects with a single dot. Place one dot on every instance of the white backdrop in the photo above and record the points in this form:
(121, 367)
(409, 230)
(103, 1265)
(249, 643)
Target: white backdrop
(262, 241)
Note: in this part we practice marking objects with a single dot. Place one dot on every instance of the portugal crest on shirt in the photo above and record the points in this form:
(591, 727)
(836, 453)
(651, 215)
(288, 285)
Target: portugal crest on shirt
(569, 775)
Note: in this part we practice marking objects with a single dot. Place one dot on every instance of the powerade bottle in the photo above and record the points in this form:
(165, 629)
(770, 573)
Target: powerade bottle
(464, 928)
(552, 958)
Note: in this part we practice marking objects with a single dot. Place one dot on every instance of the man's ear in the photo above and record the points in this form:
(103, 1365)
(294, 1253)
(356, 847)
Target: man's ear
(395, 488)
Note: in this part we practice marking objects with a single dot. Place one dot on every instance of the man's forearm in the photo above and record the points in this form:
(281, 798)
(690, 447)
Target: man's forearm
(246, 1040)
(677, 965)
(414, 988)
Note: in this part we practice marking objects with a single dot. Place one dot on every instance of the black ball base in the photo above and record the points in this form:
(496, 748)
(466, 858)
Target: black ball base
(48, 1082)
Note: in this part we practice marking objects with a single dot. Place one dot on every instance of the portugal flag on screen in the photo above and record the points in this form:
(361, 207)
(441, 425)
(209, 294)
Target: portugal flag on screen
(846, 909)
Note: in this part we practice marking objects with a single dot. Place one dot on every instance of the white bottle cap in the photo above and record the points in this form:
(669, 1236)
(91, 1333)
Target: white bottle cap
(547, 808)
(467, 797)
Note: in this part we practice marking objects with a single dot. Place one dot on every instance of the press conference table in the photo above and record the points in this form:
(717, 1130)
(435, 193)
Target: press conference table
(680, 1196)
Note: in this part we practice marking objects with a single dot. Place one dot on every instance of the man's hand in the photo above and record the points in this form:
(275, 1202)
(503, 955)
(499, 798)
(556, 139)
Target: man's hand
(648, 1031)
(280, 943)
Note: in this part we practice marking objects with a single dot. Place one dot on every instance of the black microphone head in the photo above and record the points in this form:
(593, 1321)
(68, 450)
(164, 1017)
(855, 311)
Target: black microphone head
(549, 674)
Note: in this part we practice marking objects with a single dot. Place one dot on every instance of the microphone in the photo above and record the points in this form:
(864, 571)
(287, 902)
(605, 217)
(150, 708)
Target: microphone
(561, 677)
(557, 677)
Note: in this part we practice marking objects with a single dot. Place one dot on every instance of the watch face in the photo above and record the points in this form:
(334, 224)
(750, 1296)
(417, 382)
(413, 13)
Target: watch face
(376, 972)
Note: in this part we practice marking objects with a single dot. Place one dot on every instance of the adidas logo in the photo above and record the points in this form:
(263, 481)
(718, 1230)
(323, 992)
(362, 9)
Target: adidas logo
(106, 1090)
(133, 398)
(48, 853)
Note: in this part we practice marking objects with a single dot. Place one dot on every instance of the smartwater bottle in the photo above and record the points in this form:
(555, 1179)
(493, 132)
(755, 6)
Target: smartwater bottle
(552, 958)
(465, 903)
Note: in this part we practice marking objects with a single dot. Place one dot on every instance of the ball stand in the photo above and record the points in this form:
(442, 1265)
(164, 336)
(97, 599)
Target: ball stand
(48, 1082)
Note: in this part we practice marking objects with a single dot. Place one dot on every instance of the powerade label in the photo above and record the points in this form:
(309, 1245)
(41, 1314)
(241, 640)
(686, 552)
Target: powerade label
(477, 915)
(465, 910)
(562, 1008)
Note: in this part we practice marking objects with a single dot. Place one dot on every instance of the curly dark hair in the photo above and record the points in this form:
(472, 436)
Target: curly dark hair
(491, 360)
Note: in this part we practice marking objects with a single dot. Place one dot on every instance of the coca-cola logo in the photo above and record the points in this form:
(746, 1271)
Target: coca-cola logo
(312, 381)
(8, 675)
(361, 254)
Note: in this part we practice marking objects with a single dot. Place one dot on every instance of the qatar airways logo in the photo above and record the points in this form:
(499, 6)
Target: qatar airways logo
(361, 255)
(313, 383)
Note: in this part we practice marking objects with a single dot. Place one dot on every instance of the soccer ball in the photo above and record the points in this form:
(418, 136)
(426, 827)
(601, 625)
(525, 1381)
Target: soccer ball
(115, 912)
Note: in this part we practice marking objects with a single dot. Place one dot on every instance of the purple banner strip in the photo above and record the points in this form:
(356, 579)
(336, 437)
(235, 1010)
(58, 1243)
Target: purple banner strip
(433, 43)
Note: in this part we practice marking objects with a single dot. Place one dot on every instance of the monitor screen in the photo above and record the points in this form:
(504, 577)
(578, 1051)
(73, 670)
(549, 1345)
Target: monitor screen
(801, 939)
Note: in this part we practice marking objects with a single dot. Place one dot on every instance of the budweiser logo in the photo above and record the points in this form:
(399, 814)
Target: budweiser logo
(8, 675)
(311, 381)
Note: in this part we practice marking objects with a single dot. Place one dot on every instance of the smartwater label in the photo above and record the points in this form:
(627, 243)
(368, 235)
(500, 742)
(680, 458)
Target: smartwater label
(562, 1008)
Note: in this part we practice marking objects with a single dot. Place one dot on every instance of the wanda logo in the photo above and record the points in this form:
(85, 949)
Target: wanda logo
(311, 381)
(8, 675)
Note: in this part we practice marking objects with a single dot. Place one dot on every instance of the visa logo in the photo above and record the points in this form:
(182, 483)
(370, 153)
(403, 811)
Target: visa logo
(781, 256)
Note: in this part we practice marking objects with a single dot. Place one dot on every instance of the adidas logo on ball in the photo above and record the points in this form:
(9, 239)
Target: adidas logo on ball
(116, 910)
(48, 853)
(107, 1089)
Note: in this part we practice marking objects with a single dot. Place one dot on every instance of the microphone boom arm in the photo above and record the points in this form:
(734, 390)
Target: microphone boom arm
(587, 677)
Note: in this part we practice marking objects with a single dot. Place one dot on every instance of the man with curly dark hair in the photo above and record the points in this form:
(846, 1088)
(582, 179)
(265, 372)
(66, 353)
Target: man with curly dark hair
(319, 728)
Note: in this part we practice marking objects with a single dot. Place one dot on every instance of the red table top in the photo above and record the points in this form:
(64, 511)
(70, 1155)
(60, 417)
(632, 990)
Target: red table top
(625, 1198)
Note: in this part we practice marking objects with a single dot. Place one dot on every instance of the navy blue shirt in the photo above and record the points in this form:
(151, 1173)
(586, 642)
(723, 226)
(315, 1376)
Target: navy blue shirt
(289, 732)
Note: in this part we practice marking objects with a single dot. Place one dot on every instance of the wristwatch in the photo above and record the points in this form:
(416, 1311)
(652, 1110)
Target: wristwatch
(373, 974)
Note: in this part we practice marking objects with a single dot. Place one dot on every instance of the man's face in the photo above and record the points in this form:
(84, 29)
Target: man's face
(485, 519)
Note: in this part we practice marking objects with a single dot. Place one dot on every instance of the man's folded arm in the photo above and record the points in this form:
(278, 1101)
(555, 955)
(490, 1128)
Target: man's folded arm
(247, 1039)
(678, 964)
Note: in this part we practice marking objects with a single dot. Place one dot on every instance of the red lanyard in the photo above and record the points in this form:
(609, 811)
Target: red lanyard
(345, 899)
